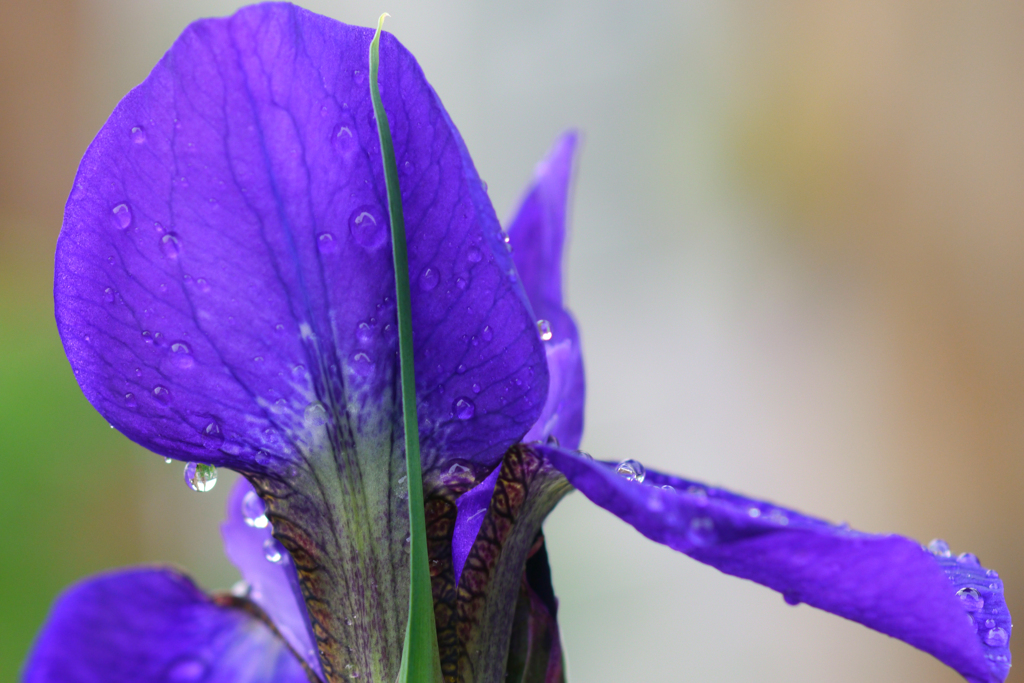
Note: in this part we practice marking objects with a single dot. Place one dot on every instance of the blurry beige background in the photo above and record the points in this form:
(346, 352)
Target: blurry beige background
(797, 261)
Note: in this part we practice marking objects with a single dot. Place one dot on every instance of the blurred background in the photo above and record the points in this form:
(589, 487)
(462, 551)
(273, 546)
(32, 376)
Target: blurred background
(797, 262)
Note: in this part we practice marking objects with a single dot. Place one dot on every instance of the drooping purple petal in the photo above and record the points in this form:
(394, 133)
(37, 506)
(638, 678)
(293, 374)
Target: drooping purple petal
(224, 261)
(472, 508)
(153, 624)
(537, 235)
(951, 609)
(266, 568)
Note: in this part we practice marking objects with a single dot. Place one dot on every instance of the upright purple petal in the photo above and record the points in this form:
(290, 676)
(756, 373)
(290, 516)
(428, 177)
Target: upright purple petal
(153, 625)
(224, 262)
(471, 510)
(266, 568)
(537, 235)
(951, 608)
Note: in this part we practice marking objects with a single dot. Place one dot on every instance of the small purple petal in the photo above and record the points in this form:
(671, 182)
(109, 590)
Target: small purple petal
(537, 235)
(888, 583)
(154, 625)
(231, 264)
(472, 509)
(274, 586)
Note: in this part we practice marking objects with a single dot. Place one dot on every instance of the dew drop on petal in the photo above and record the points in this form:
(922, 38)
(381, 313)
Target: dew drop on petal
(971, 599)
(429, 278)
(461, 369)
(702, 531)
(939, 548)
(188, 670)
(170, 246)
(162, 394)
(753, 512)
(365, 333)
(200, 477)
(968, 559)
(464, 408)
(487, 334)
(202, 284)
(631, 470)
(109, 295)
(254, 511)
(273, 551)
(544, 328)
(212, 435)
(474, 255)
(368, 227)
(138, 135)
(361, 363)
(992, 574)
(122, 216)
(315, 415)
(181, 355)
(476, 388)
(325, 243)
(585, 455)
(129, 400)
(996, 637)
(791, 599)
(668, 488)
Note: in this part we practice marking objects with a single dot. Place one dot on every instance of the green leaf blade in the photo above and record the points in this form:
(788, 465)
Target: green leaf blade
(420, 657)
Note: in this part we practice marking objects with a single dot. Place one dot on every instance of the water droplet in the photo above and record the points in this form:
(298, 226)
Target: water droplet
(168, 460)
(202, 284)
(273, 551)
(403, 489)
(365, 333)
(461, 283)
(939, 547)
(240, 589)
(359, 77)
(170, 246)
(361, 363)
(474, 255)
(631, 470)
(408, 167)
(968, 559)
(697, 491)
(122, 216)
(992, 574)
(200, 477)
(188, 670)
(464, 408)
(315, 415)
(702, 531)
(753, 512)
(325, 243)
(483, 184)
(544, 328)
(407, 543)
(668, 488)
(476, 388)
(254, 511)
(487, 334)
(212, 435)
(181, 356)
(990, 623)
(971, 599)
(429, 278)
(585, 455)
(138, 135)
(368, 227)
(129, 400)
(791, 599)
(162, 394)
(461, 369)
(109, 295)
(996, 637)
(776, 516)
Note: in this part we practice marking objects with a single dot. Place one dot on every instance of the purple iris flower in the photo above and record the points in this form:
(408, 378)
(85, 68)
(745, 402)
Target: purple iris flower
(225, 293)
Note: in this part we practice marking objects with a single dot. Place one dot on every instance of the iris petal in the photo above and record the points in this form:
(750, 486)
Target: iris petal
(537, 235)
(228, 269)
(152, 624)
(886, 582)
(273, 585)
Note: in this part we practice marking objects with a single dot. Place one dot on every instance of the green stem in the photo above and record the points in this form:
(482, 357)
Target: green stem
(420, 659)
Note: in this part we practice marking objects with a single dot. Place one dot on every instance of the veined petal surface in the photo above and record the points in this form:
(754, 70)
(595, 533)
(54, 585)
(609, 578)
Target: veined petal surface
(952, 608)
(224, 262)
(537, 235)
(267, 569)
(152, 625)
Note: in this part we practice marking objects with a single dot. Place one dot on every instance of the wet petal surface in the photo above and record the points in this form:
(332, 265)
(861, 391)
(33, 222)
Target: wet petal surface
(151, 624)
(951, 609)
(537, 235)
(267, 570)
(224, 262)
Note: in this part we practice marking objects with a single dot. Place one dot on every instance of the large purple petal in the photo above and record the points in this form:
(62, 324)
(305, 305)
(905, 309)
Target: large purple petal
(267, 569)
(537, 235)
(225, 264)
(949, 607)
(152, 625)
